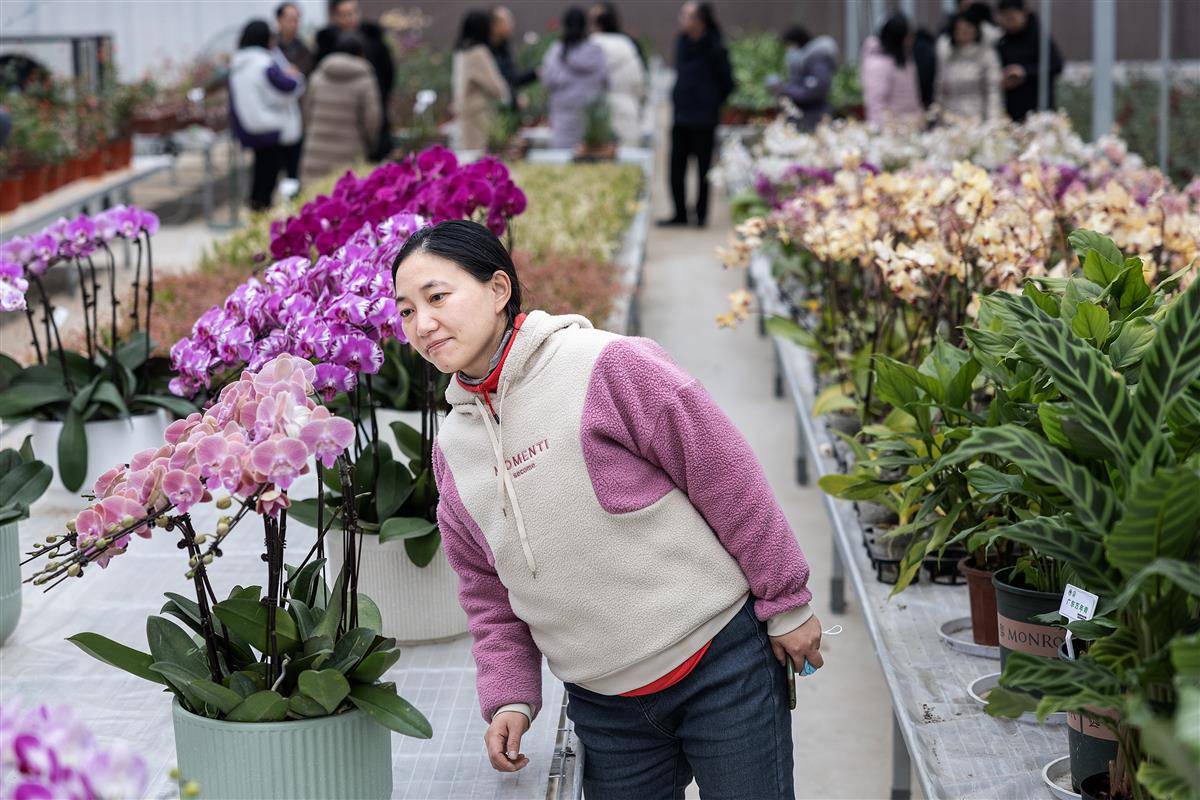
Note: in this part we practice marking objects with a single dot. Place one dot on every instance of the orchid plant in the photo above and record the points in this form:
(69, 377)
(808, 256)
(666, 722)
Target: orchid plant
(296, 649)
(112, 376)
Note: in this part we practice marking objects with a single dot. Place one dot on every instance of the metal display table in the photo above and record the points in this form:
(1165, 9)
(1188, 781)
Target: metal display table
(939, 731)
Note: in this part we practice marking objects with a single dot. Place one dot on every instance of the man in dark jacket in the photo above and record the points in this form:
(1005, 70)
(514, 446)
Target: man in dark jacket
(345, 16)
(811, 64)
(703, 81)
(1018, 49)
(503, 26)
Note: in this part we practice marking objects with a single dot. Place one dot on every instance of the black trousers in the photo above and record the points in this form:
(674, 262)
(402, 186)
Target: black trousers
(291, 159)
(688, 143)
(268, 161)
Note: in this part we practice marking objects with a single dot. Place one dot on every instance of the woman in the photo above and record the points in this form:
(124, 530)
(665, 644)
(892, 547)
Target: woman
(889, 76)
(703, 80)
(478, 84)
(626, 74)
(264, 108)
(574, 73)
(600, 510)
(968, 73)
(811, 64)
(341, 111)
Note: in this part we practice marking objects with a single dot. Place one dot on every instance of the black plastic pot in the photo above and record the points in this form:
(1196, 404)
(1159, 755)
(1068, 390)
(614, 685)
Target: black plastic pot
(870, 513)
(944, 569)
(886, 555)
(1016, 606)
(846, 422)
(1091, 744)
(1095, 787)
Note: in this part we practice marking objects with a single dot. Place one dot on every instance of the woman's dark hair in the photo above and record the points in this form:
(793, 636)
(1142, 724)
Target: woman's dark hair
(709, 17)
(476, 29)
(964, 16)
(472, 247)
(606, 19)
(574, 28)
(978, 13)
(797, 35)
(892, 36)
(257, 33)
(350, 43)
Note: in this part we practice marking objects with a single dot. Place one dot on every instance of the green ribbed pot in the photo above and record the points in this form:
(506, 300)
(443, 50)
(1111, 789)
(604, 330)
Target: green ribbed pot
(10, 580)
(344, 757)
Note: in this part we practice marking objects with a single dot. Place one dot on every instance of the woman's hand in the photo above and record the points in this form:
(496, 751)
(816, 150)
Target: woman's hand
(801, 643)
(503, 739)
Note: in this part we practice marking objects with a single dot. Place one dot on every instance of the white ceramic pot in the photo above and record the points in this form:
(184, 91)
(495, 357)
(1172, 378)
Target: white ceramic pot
(110, 442)
(10, 580)
(419, 605)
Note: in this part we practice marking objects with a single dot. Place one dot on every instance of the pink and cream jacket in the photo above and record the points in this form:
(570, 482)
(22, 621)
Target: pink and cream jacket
(603, 513)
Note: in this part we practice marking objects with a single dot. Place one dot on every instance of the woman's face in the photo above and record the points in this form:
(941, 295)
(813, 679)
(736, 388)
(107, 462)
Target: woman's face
(964, 32)
(690, 22)
(453, 320)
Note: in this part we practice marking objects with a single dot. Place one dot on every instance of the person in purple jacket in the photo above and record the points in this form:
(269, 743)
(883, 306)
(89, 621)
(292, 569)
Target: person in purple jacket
(575, 74)
(601, 511)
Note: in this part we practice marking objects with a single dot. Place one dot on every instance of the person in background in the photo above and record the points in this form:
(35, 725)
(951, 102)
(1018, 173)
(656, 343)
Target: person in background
(287, 23)
(264, 108)
(341, 111)
(346, 18)
(811, 64)
(478, 84)
(703, 81)
(978, 12)
(889, 76)
(626, 73)
(924, 56)
(610, 10)
(500, 40)
(575, 75)
(294, 51)
(1019, 59)
(968, 72)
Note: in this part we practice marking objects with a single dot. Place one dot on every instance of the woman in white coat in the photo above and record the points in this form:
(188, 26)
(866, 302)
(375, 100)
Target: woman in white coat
(626, 74)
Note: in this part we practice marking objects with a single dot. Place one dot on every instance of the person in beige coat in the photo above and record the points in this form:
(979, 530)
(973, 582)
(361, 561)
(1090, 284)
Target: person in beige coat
(478, 84)
(968, 72)
(342, 111)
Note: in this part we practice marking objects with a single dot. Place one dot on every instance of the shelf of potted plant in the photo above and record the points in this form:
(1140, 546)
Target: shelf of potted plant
(111, 397)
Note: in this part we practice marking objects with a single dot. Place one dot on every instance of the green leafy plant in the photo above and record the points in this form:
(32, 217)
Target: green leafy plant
(753, 58)
(23, 479)
(1115, 468)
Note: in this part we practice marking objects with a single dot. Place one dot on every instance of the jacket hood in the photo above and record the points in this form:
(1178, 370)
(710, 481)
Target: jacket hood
(821, 47)
(584, 57)
(344, 67)
(525, 355)
(248, 56)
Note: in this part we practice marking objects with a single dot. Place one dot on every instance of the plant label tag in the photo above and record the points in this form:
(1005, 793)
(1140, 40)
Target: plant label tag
(1078, 604)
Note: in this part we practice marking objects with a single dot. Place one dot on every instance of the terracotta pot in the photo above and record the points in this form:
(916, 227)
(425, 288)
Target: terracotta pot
(74, 169)
(983, 603)
(10, 194)
(33, 184)
(124, 152)
(93, 164)
(56, 176)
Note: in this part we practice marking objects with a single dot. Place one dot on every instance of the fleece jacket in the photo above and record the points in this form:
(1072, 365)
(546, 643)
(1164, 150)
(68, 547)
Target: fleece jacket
(604, 513)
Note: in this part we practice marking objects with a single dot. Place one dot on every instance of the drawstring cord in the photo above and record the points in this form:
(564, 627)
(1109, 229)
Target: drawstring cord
(504, 488)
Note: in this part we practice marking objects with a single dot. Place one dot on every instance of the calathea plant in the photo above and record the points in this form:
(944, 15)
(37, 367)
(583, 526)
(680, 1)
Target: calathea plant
(1115, 472)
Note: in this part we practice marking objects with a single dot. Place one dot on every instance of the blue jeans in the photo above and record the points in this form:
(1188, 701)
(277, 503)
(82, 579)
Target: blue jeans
(727, 724)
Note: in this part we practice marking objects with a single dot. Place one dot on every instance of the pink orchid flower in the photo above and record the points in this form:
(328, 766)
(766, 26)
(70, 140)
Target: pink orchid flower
(328, 437)
(279, 461)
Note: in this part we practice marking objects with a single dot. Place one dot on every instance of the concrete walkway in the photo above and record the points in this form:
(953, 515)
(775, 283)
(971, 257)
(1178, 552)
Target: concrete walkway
(842, 724)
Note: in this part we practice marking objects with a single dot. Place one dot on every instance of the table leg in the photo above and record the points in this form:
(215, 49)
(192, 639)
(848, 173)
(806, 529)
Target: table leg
(778, 370)
(837, 581)
(901, 764)
(801, 453)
